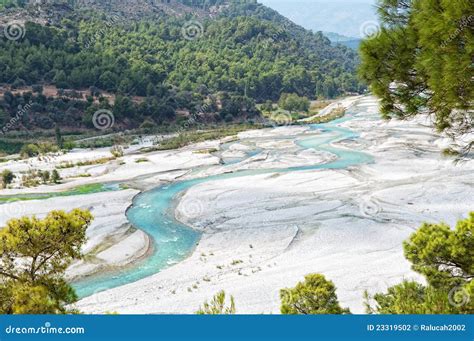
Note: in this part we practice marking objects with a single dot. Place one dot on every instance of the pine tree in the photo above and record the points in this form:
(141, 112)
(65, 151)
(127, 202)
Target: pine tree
(421, 62)
(59, 138)
(55, 177)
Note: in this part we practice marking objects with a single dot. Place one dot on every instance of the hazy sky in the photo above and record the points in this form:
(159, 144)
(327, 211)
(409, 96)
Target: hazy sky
(311, 1)
(347, 17)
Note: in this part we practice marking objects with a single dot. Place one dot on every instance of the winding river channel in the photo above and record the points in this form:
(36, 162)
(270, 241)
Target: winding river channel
(153, 211)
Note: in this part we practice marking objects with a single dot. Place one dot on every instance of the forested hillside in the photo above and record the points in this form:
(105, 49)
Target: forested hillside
(148, 60)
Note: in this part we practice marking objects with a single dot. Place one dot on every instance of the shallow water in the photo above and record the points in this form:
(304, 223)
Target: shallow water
(153, 211)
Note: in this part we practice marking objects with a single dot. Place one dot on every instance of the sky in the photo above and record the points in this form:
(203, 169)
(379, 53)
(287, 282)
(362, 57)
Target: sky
(346, 17)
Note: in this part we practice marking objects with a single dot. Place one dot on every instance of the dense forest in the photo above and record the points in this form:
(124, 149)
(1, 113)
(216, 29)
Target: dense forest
(223, 56)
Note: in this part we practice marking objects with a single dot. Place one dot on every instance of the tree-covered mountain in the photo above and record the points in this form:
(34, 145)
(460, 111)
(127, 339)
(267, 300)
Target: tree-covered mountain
(148, 59)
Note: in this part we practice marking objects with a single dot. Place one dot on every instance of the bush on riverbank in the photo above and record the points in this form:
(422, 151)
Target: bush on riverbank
(217, 306)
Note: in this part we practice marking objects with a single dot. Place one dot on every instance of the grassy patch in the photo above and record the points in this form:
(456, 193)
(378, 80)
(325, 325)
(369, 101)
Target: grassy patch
(316, 106)
(449, 152)
(85, 175)
(206, 151)
(85, 189)
(187, 138)
(142, 160)
(314, 109)
(333, 115)
(100, 161)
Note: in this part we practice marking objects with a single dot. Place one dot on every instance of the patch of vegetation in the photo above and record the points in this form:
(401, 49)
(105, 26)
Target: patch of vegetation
(300, 109)
(142, 160)
(7, 177)
(100, 161)
(293, 102)
(315, 295)
(450, 152)
(333, 115)
(218, 306)
(206, 151)
(116, 151)
(85, 189)
(104, 141)
(34, 178)
(40, 148)
(85, 175)
(187, 138)
(316, 106)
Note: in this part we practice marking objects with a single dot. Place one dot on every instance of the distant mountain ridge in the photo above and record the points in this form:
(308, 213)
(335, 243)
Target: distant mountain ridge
(350, 42)
(337, 38)
(345, 17)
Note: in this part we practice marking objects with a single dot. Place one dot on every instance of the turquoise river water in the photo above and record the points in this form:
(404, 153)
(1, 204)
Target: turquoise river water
(153, 211)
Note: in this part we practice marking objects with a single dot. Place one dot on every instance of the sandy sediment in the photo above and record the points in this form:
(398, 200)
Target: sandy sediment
(265, 232)
(112, 241)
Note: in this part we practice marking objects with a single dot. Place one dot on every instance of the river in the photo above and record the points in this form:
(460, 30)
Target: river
(153, 211)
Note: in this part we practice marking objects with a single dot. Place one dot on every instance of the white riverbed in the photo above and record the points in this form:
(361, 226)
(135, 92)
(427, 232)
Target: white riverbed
(265, 232)
(262, 233)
